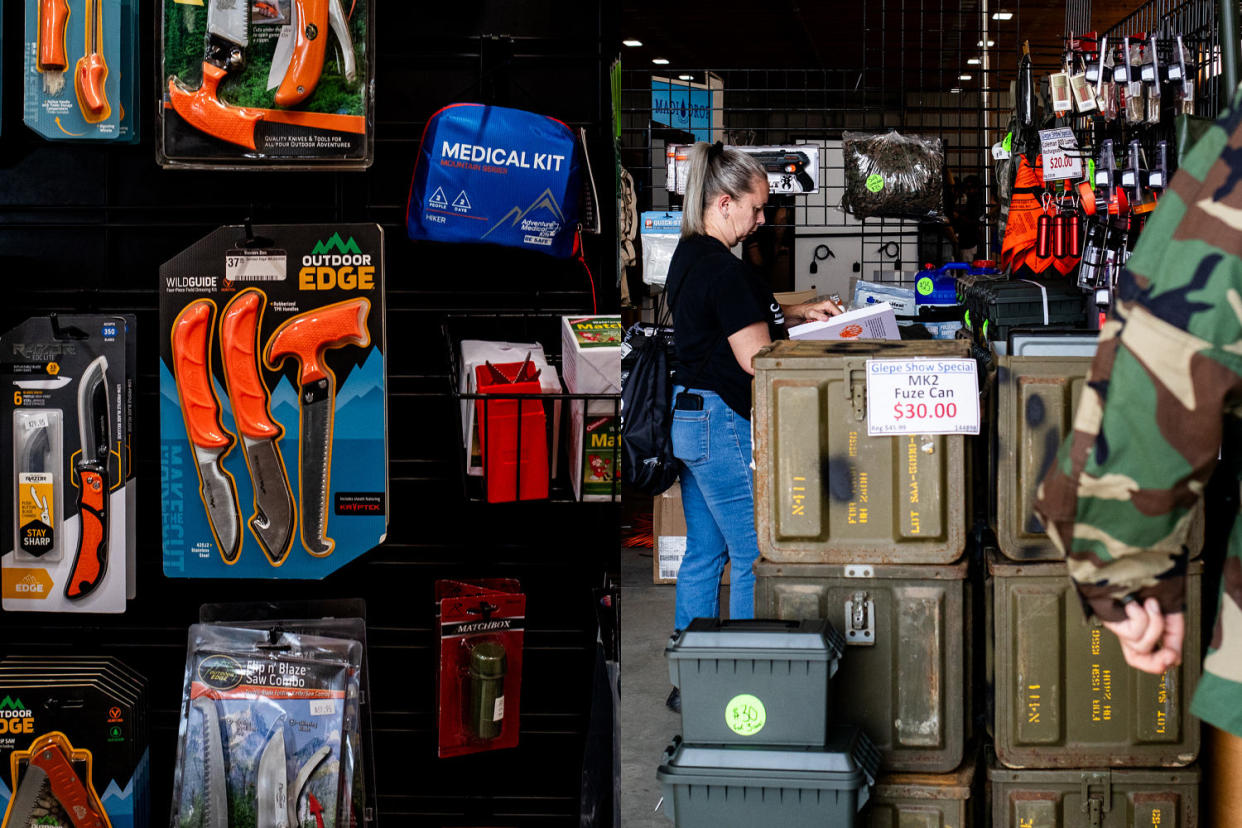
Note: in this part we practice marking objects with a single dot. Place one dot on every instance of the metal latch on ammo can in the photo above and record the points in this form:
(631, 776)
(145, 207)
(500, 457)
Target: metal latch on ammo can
(856, 392)
(860, 620)
(1095, 806)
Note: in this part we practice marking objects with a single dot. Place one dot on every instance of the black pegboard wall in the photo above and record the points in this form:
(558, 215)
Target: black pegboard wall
(85, 228)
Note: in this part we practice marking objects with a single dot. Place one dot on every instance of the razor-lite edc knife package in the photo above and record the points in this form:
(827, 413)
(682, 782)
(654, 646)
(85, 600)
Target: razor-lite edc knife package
(269, 729)
(482, 626)
(73, 743)
(69, 488)
(272, 404)
(266, 83)
(80, 74)
(494, 175)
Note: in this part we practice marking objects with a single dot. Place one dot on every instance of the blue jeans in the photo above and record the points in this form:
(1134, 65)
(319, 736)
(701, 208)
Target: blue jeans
(718, 497)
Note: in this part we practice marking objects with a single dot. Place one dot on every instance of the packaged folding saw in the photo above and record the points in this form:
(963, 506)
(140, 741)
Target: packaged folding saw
(65, 429)
(284, 83)
(268, 729)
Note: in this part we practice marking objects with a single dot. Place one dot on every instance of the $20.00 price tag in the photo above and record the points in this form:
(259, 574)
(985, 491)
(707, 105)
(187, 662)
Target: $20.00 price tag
(922, 396)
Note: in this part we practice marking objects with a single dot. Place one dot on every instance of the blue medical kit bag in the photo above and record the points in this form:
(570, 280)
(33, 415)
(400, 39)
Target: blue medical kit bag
(492, 175)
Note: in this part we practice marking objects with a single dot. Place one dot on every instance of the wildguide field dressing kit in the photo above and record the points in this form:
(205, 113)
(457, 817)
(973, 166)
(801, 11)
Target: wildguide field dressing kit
(497, 176)
(65, 428)
(591, 362)
(273, 413)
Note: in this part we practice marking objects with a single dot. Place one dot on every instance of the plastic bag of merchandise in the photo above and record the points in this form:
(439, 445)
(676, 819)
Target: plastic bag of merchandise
(893, 175)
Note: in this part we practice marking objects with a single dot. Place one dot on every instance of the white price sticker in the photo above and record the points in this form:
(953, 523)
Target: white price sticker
(498, 709)
(322, 707)
(1060, 149)
(255, 265)
(34, 422)
(922, 396)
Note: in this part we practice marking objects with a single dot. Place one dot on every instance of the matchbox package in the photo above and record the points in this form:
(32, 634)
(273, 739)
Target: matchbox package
(269, 83)
(73, 743)
(482, 627)
(80, 73)
(269, 730)
(66, 428)
(497, 176)
(591, 362)
(273, 414)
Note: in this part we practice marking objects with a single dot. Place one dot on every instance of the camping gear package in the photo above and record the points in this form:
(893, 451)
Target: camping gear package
(497, 176)
(894, 175)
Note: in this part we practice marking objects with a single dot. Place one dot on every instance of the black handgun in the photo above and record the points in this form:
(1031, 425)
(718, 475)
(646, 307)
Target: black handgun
(785, 162)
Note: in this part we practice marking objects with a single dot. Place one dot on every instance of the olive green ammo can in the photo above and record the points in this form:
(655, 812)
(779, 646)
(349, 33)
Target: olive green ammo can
(1100, 798)
(905, 675)
(1064, 695)
(926, 800)
(825, 492)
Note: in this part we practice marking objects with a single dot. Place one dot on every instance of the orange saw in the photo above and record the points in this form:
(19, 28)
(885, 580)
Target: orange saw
(228, 35)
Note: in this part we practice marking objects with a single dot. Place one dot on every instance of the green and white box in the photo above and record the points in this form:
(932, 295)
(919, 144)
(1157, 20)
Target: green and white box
(591, 364)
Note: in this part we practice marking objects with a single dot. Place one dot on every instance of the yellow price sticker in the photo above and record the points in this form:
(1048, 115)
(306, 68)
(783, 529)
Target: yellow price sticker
(745, 715)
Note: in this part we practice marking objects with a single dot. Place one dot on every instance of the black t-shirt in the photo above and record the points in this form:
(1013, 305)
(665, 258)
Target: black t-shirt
(714, 295)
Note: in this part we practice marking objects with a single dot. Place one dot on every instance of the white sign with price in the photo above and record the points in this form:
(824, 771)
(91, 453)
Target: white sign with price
(922, 396)
(1060, 149)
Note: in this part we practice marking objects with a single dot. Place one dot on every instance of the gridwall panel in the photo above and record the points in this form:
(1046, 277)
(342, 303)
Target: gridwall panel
(85, 228)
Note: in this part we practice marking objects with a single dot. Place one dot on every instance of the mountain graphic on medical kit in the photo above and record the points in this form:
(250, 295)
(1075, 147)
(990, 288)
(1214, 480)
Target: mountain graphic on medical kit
(545, 205)
(117, 801)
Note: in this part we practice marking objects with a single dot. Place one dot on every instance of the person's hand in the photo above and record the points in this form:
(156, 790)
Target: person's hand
(818, 311)
(1150, 640)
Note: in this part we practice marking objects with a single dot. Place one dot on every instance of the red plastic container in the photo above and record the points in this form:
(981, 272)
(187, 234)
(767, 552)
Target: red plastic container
(509, 428)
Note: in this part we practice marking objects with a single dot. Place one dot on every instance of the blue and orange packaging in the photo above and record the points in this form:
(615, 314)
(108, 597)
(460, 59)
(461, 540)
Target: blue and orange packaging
(273, 412)
(80, 73)
(84, 715)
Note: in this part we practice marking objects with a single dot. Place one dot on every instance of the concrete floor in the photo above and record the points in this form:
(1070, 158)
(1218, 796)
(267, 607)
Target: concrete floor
(647, 726)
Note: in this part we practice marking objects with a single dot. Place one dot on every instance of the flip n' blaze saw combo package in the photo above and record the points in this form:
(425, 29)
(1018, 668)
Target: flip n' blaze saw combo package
(272, 394)
(271, 83)
(482, 626)
(269, 730)
(73, 744)
(81, 79)
(69, 487)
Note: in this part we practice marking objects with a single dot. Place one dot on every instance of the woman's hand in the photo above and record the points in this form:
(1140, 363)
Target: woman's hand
(810, 311)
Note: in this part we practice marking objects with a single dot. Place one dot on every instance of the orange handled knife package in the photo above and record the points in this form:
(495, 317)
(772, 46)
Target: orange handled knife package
(80, 78)
(284, 84)
(69, 494)
(273, 404)
(74, 748)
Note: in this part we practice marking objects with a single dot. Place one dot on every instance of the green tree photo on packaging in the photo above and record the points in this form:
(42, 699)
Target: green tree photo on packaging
(185, 45)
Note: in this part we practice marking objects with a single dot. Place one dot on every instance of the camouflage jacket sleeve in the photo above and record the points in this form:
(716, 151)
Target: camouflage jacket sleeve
(1120, 498)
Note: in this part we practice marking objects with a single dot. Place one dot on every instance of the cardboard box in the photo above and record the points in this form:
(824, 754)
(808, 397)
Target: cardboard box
(591, 364)
(669, 534)
(795, 297)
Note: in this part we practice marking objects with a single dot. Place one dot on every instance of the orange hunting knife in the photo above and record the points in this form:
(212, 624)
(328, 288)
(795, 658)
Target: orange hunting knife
(307, 337)
(90, 563)
(272, 522)
(191, 357)
(310, 21)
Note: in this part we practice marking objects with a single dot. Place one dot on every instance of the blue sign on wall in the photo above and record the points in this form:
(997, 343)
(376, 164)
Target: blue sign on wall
(683, 106)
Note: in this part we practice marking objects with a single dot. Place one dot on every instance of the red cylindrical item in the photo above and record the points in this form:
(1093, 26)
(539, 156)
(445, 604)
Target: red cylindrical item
(1075, 238)
(1060, 236)
(1043, 236)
